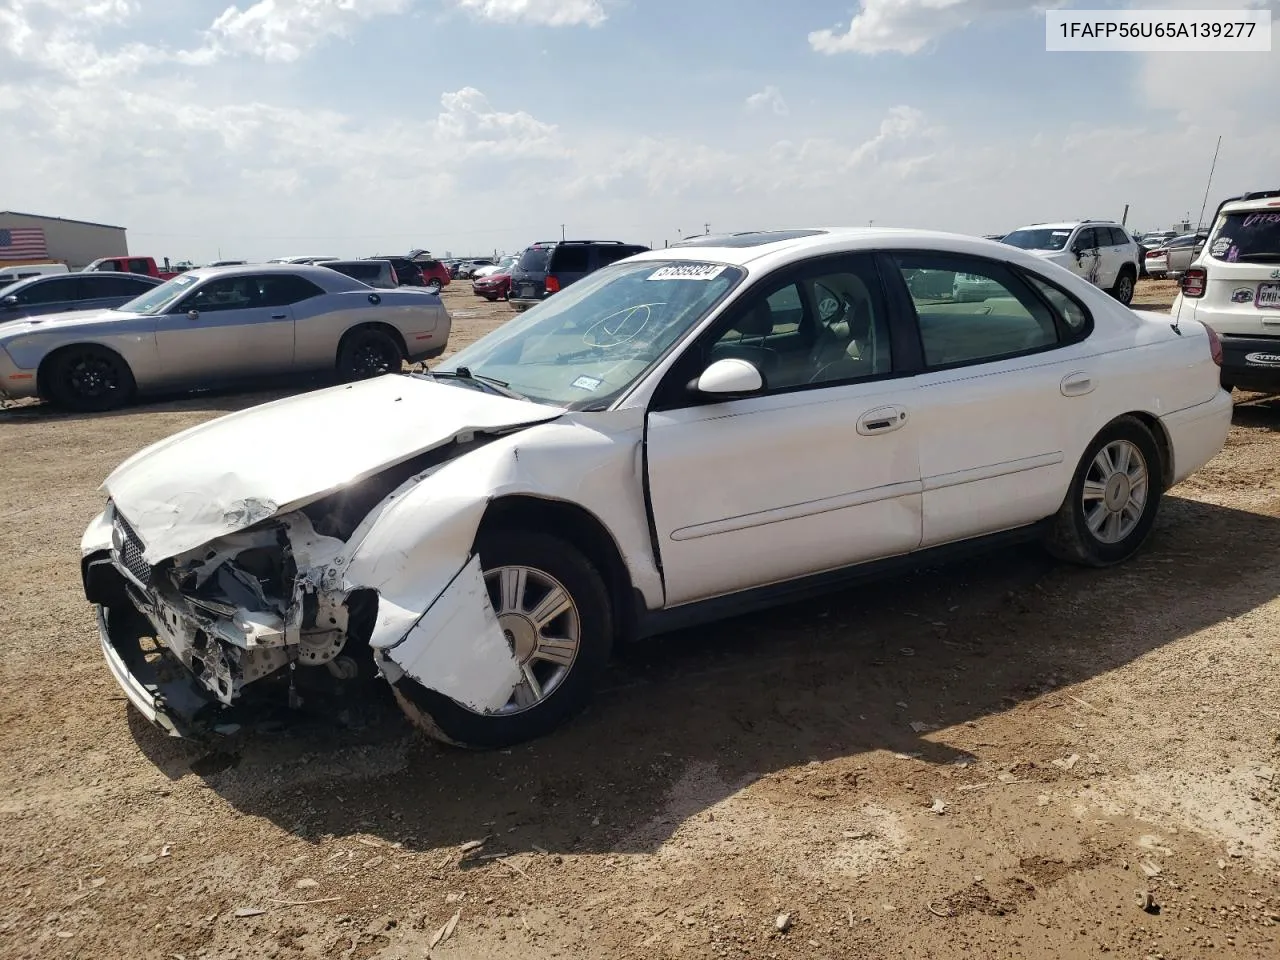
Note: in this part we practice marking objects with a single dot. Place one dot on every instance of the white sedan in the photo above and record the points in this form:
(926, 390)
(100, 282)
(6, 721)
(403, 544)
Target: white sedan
(687, 434)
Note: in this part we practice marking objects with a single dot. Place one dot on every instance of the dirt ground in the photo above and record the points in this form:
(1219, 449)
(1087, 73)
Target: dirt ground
(1005, 759)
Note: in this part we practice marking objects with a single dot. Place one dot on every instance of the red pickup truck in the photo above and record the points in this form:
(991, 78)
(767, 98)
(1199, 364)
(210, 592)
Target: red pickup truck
(145, 265)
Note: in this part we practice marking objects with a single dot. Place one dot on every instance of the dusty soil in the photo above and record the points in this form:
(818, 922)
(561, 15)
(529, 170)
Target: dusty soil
(1004, 759)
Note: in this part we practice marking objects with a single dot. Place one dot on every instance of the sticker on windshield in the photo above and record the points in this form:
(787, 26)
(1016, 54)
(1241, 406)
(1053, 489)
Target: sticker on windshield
(689, 271)
(1220, 246)
(1060, 233)
(586, 383)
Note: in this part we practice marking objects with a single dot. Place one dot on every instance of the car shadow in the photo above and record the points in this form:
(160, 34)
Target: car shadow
(898, 666)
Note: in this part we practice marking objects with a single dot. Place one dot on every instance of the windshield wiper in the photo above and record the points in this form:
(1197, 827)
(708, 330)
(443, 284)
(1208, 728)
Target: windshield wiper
(492, 384)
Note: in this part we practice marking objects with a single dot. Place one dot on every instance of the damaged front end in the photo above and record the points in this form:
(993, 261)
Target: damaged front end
(305, 605)
(265, 606)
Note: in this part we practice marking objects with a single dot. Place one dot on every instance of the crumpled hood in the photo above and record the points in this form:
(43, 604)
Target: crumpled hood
(227, 474)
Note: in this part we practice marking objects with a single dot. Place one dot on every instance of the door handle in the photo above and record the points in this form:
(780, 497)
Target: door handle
(1077, 384)
(278, 316)
(881, 420)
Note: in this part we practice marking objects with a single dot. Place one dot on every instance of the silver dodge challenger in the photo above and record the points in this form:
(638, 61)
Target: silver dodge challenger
(221, 325)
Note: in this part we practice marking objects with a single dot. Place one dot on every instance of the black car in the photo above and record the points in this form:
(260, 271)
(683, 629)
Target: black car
(65, 292)
(550, 266)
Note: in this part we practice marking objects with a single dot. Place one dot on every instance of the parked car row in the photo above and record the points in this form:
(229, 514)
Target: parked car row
(1172, 256)
(205, 327)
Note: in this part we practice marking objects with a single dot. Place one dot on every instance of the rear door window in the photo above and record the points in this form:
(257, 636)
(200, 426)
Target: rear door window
(1252, 236)
(137, 265)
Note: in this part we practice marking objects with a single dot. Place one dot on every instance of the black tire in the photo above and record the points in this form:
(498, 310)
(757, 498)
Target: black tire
(89, 379)
(368, 352)
(447, 720)
(433, 286)
(1123, 290)
(1071, 538)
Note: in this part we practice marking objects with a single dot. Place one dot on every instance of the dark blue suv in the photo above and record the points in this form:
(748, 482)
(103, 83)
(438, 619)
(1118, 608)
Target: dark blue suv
(64, 292)
(550, 266)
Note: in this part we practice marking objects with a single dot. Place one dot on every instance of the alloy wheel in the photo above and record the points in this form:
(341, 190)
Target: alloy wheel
(542, 624)
(1115, 491)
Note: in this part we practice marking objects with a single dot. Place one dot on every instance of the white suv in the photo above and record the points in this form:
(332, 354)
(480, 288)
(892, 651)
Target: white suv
(1101, 251)
(1234, 287)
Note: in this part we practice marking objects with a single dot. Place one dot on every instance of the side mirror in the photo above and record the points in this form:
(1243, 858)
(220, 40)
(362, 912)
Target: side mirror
(729, 377)
(10, 302)
(1077, 249)
(193, 314)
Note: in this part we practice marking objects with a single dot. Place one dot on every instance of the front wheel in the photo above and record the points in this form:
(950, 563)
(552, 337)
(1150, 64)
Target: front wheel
(89, 379)
(554, 610)
(1113, 499)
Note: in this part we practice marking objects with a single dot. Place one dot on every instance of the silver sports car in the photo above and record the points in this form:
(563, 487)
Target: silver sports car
(221, 325)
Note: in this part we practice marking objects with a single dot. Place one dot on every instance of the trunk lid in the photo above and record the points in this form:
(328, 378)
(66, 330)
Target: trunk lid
(235, 471)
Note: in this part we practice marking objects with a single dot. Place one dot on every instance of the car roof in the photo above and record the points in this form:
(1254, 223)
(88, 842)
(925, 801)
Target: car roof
(1257, 203)
(40, 278)
(817, 241)
(331, 281)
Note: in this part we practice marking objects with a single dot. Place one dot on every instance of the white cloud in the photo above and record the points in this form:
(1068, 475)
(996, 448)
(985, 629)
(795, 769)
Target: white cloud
(908, 26)
(770, 98)
(468, 122)
(283, 30)
(551, 13)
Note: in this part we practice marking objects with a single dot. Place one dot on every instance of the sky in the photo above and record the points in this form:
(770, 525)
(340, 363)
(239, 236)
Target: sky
(357, 127)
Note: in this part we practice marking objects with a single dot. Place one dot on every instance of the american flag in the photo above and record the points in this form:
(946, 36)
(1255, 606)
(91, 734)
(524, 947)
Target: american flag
(22, 243)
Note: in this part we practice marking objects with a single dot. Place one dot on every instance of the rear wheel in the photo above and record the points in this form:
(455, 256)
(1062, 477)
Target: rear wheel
(553, 607)
(433, 286)
(1111, 505)
(89, 378)
(368, 352)
(1123, 290)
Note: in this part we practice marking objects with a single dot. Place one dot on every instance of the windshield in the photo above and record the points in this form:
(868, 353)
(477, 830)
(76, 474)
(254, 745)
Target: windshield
(1246, 235)
(534, 260)
(1038, 239)
(585, 345)
(158, 299)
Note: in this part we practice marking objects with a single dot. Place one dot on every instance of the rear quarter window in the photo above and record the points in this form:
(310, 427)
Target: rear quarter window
(571, 260)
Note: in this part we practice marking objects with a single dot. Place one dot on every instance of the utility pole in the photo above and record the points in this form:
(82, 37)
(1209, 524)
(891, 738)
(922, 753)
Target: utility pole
(562, 231)
(1124, 217)
(706, 227)
(1200, 222)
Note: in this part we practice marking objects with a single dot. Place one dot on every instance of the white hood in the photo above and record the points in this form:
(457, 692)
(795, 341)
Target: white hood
(229, 473)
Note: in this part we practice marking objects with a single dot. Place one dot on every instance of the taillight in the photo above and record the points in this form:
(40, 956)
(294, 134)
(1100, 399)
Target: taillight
(1155, 253)
(395, 280)
(553, 285)
(1194, 282)
(1215, 345)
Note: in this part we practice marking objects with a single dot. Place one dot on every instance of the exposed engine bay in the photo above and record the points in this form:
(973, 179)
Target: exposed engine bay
(272, 600)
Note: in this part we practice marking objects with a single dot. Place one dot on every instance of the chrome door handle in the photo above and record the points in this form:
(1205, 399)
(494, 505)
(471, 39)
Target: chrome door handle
(1077, 384)
(278, 316)
(881, 420)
